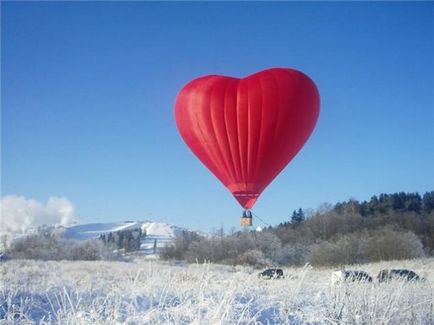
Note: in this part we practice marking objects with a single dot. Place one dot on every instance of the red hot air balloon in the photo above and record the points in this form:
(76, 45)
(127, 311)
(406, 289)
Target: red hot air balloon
(247, 130)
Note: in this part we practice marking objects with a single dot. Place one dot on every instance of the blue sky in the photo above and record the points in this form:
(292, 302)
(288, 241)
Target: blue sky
(88, 90)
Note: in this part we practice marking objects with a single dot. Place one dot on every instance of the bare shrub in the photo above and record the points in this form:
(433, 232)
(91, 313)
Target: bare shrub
(89, 250)
(38, 246)
(269, 244)
(48, 246)
(202, 250)
(253, 257)
(380, 245)
(293, 254)
(181, 244)
(325, 253)
(387, 244)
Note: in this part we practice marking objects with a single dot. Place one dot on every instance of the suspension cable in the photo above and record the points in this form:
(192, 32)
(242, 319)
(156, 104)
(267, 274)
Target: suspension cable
(265, 223)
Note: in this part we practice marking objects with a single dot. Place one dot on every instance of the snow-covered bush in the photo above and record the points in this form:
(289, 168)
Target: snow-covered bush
(254, 257)
(51, 246)
(383, 244)
(389, 244)
(293, 254)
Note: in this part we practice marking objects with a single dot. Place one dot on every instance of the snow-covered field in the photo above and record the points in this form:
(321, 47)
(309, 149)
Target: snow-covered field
(153, 292)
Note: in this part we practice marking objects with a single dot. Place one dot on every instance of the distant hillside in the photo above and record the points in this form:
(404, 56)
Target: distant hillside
(94, 230)
(149, 237)
(154, 233)
(387, 227)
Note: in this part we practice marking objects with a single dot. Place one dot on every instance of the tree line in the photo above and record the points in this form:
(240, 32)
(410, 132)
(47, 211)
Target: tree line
(48, 243)
(388, 226)
(129, 239)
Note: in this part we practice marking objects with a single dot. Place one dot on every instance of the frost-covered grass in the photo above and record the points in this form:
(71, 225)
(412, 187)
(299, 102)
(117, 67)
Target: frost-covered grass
(152, 292)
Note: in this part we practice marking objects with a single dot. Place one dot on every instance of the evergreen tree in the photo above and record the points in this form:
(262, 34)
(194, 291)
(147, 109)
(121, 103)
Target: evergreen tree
(297, 217)
(373, 205)
(398, 201)
(155, 246)
(428, 201)
(300, 216)
(364, 209)
(384, 203)
(294, 217)
(414, 202)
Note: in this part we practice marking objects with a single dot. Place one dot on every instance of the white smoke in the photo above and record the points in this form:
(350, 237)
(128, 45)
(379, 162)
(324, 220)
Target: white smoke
(17, 213)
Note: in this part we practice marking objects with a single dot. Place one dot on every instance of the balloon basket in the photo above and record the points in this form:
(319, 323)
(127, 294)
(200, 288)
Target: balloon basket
(245, 221)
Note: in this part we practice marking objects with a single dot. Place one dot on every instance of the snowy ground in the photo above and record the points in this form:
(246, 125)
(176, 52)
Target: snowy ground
(152, 292)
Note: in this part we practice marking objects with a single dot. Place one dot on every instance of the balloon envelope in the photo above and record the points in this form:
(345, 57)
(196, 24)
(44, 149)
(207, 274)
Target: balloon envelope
(247, 130)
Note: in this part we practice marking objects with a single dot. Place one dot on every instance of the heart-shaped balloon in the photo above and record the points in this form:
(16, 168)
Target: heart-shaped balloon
(247, 130)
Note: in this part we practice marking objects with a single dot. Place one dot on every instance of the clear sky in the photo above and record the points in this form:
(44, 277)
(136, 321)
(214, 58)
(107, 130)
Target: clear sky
(88, 90)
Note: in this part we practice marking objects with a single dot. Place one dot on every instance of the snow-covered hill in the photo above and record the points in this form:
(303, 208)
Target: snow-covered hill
(158, 234)
(94, 230)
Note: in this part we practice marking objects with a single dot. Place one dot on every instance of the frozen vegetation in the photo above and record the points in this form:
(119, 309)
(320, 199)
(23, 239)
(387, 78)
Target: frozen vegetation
(154, 292)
